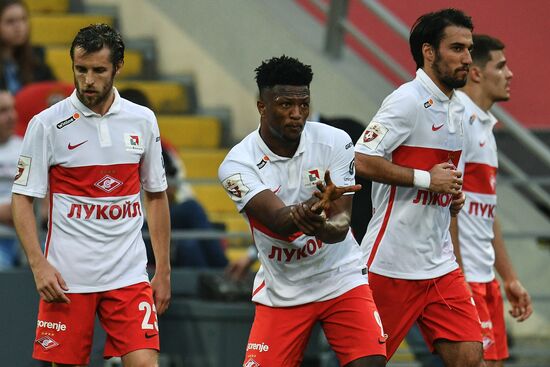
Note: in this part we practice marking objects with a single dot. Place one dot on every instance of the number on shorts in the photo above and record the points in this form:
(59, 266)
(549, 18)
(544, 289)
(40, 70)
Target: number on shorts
(146, 324)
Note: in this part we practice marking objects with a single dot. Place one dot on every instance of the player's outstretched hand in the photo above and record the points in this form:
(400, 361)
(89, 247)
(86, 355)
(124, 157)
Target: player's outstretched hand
(445, 179)
(238, 269)
(329, 192)
(161, 291)
(49, 283)
(519, 299)
(457, 203)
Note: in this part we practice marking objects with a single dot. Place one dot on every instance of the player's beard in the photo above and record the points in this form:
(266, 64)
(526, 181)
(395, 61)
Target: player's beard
(446, 76)
(97, 99)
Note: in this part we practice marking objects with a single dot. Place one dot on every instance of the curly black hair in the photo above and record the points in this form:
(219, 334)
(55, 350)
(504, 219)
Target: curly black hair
(282, 70)
(96, 36)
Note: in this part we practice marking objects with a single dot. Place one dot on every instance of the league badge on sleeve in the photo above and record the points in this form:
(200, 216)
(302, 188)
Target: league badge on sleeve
(23, 168)
(235, 187)
(373, 135)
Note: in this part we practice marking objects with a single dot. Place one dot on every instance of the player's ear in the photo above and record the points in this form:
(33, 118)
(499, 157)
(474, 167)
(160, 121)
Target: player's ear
(475, 74)
(118, 67)
(261, 107)
(428, 52)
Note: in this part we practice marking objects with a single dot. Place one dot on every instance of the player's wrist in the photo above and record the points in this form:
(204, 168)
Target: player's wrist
(421, 179)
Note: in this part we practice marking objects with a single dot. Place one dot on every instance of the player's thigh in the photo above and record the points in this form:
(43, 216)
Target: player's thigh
(129, 318)
(399, 303)
(141, 358)
(460, 354)
(353, 327)
(64, 331)
(450, 313)
(279, 335)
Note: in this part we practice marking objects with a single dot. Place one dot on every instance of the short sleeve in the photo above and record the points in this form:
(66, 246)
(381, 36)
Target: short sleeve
(151, 170)
(36, 157)
(391, 125)
(342, 165)
(240, 181)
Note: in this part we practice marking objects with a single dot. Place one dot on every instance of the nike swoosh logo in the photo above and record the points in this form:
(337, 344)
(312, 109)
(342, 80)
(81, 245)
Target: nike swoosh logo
(435, 128)
(277, 189)
(149, 336)
(482, 144)
(71, 147)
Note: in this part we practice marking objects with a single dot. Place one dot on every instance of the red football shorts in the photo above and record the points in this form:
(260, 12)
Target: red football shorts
(64, 331)
(351, 324)
(443, 308)
(490, 308)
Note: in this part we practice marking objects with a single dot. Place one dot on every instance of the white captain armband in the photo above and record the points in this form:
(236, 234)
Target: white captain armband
(422, 179)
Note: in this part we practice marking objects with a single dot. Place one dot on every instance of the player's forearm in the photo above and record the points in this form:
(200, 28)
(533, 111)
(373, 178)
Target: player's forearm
(453, 229)
(381, 170)
(158, 221)
(503, 265)
(25, 226)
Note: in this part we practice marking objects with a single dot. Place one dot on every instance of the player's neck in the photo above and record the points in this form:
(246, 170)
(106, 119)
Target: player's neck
(478, 97)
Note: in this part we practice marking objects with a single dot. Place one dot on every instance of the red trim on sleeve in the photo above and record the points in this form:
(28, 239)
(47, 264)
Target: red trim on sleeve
(260, 227)
(480, 178)
(423, 158)
(382, 227)
(96, 181)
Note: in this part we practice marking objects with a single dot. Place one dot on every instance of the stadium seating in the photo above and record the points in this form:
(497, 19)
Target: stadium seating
(49, 6)
(59, 29)
(58, 59)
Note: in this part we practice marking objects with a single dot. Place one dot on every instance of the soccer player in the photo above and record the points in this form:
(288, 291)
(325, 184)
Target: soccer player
(480, 245)
(411, 148)
(311, 266)
(94, 152)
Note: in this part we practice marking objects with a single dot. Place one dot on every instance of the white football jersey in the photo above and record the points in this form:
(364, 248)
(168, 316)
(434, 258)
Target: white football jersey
(477, 217)
(296, 269)
(93, 167)
(417, 126)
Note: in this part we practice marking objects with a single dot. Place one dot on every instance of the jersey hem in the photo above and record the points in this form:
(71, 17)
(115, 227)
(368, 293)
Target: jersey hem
(107, 287)
(414, 276)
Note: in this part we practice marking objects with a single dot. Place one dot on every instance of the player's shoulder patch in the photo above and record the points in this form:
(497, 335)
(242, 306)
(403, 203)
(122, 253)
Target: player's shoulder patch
(235, 187)
(23, 168)
(373, 135)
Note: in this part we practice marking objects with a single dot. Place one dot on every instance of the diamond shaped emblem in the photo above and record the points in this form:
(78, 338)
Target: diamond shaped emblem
(108, 183)
(47, 343)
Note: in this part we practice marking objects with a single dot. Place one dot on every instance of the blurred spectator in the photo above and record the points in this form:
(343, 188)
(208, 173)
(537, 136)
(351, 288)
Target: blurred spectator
(10, 146)
(186, 212)
(36, 97)
(20, 62)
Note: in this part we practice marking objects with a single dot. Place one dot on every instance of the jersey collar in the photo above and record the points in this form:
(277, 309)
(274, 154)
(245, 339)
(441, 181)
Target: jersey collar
(486, 118)
(115, 107)
(428, 83)
(274, 157)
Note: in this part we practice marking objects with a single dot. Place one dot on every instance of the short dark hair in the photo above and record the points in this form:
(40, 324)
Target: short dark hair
(282, 70)
(96, 36)
(429, 28)
(483, 45)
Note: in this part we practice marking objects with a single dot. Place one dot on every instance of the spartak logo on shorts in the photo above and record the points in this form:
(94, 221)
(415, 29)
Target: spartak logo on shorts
(251, 363)
(47, 342)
